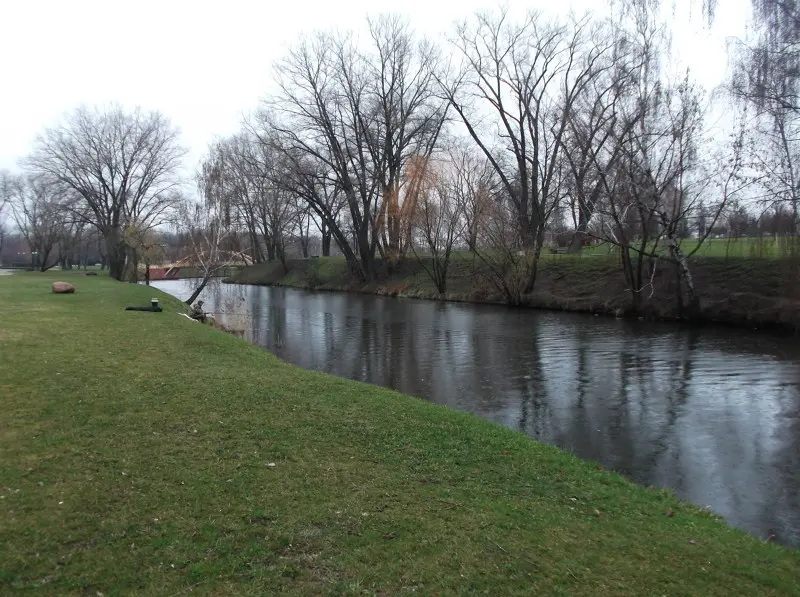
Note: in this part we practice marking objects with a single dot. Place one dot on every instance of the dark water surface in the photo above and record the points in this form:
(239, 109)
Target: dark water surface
(712, 413)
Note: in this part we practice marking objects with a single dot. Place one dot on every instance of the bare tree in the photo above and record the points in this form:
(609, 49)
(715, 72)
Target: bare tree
(595, 122)
(766, 63)
(301, 225)
(120, 165)
(207, 226)
(516, 91)
(5, 189)
(37, 210)
(773, 157)
(410, 117)
(765, 78)
(5, 199)
(321, 119)
(358, 116)
(474, 185)
(645, 170)
(243, 184)
(504, 263)
(311, 180)
(252, 173)
(69, 240)
(438, 220)
(206, 236)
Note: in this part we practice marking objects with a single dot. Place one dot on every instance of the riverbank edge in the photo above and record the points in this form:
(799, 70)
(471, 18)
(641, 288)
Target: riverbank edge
(596, 524)
(741, 309)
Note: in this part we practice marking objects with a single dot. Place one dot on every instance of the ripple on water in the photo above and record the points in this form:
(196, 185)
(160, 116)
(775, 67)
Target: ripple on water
(713, 414)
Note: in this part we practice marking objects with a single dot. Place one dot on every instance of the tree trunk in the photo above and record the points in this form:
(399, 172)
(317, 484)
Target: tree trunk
(44, 255)
(683, 268)
(282, 257)
(367, 252)
(627, 269)
(199, 288)
(349, 255)
(326, 243)
(580, 234)
(472, 243)
(115, 255)
(258, 254)
(133, 261)
(534, 267)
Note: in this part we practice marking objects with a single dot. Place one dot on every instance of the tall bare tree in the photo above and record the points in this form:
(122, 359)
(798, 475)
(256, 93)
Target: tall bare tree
(122, 166)
(438, 220)
(207, 226)
(595, 122)
(312, 181)
(404, 88)
(359, 115)
(474, 186)
(5, 199)
(765, 78)
(37, 210)
(5, 189)
(515, 93)
(652, 169)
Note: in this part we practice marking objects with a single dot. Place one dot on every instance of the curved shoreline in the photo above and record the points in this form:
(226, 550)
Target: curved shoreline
(725, 287)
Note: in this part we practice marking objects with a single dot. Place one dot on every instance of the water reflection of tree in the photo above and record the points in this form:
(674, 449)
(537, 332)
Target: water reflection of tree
(784, 505)
(257, 320)
(276, 330)
(665, 440)
(617, 416)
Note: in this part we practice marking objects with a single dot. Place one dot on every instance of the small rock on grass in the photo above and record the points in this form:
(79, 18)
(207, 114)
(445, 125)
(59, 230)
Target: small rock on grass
(63, 288)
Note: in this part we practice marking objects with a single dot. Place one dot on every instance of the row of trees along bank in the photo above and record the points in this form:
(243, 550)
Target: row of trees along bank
(514, 135)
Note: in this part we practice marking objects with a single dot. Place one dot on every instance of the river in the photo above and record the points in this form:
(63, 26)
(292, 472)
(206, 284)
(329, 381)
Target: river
(711, 413)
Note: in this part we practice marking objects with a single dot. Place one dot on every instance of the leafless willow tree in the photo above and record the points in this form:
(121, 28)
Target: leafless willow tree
(206, 237)
(765, 78)
(207, 225)
(120, 167)
(518, 86)
(239, 188)
(250, 175)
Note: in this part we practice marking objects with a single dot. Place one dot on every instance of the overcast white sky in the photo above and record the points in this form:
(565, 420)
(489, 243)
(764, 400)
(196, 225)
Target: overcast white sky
(204, 64)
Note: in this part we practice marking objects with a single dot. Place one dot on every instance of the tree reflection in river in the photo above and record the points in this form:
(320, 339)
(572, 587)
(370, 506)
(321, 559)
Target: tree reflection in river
(712, 413)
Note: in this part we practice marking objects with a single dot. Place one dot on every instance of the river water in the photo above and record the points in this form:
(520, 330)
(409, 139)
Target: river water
(712, 413)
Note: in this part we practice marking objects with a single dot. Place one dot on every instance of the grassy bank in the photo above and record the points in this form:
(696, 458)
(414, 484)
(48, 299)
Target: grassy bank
(756, 292)
(144, 453)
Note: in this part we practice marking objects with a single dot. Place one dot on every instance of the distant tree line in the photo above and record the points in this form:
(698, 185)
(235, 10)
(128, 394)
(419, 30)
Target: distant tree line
(515, 138)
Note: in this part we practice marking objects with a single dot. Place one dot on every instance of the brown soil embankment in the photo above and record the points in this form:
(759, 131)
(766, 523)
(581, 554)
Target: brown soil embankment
(742, 291)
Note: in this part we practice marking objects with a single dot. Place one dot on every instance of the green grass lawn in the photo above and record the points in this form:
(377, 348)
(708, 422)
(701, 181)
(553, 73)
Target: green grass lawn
(734, 248)
(142, 453)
